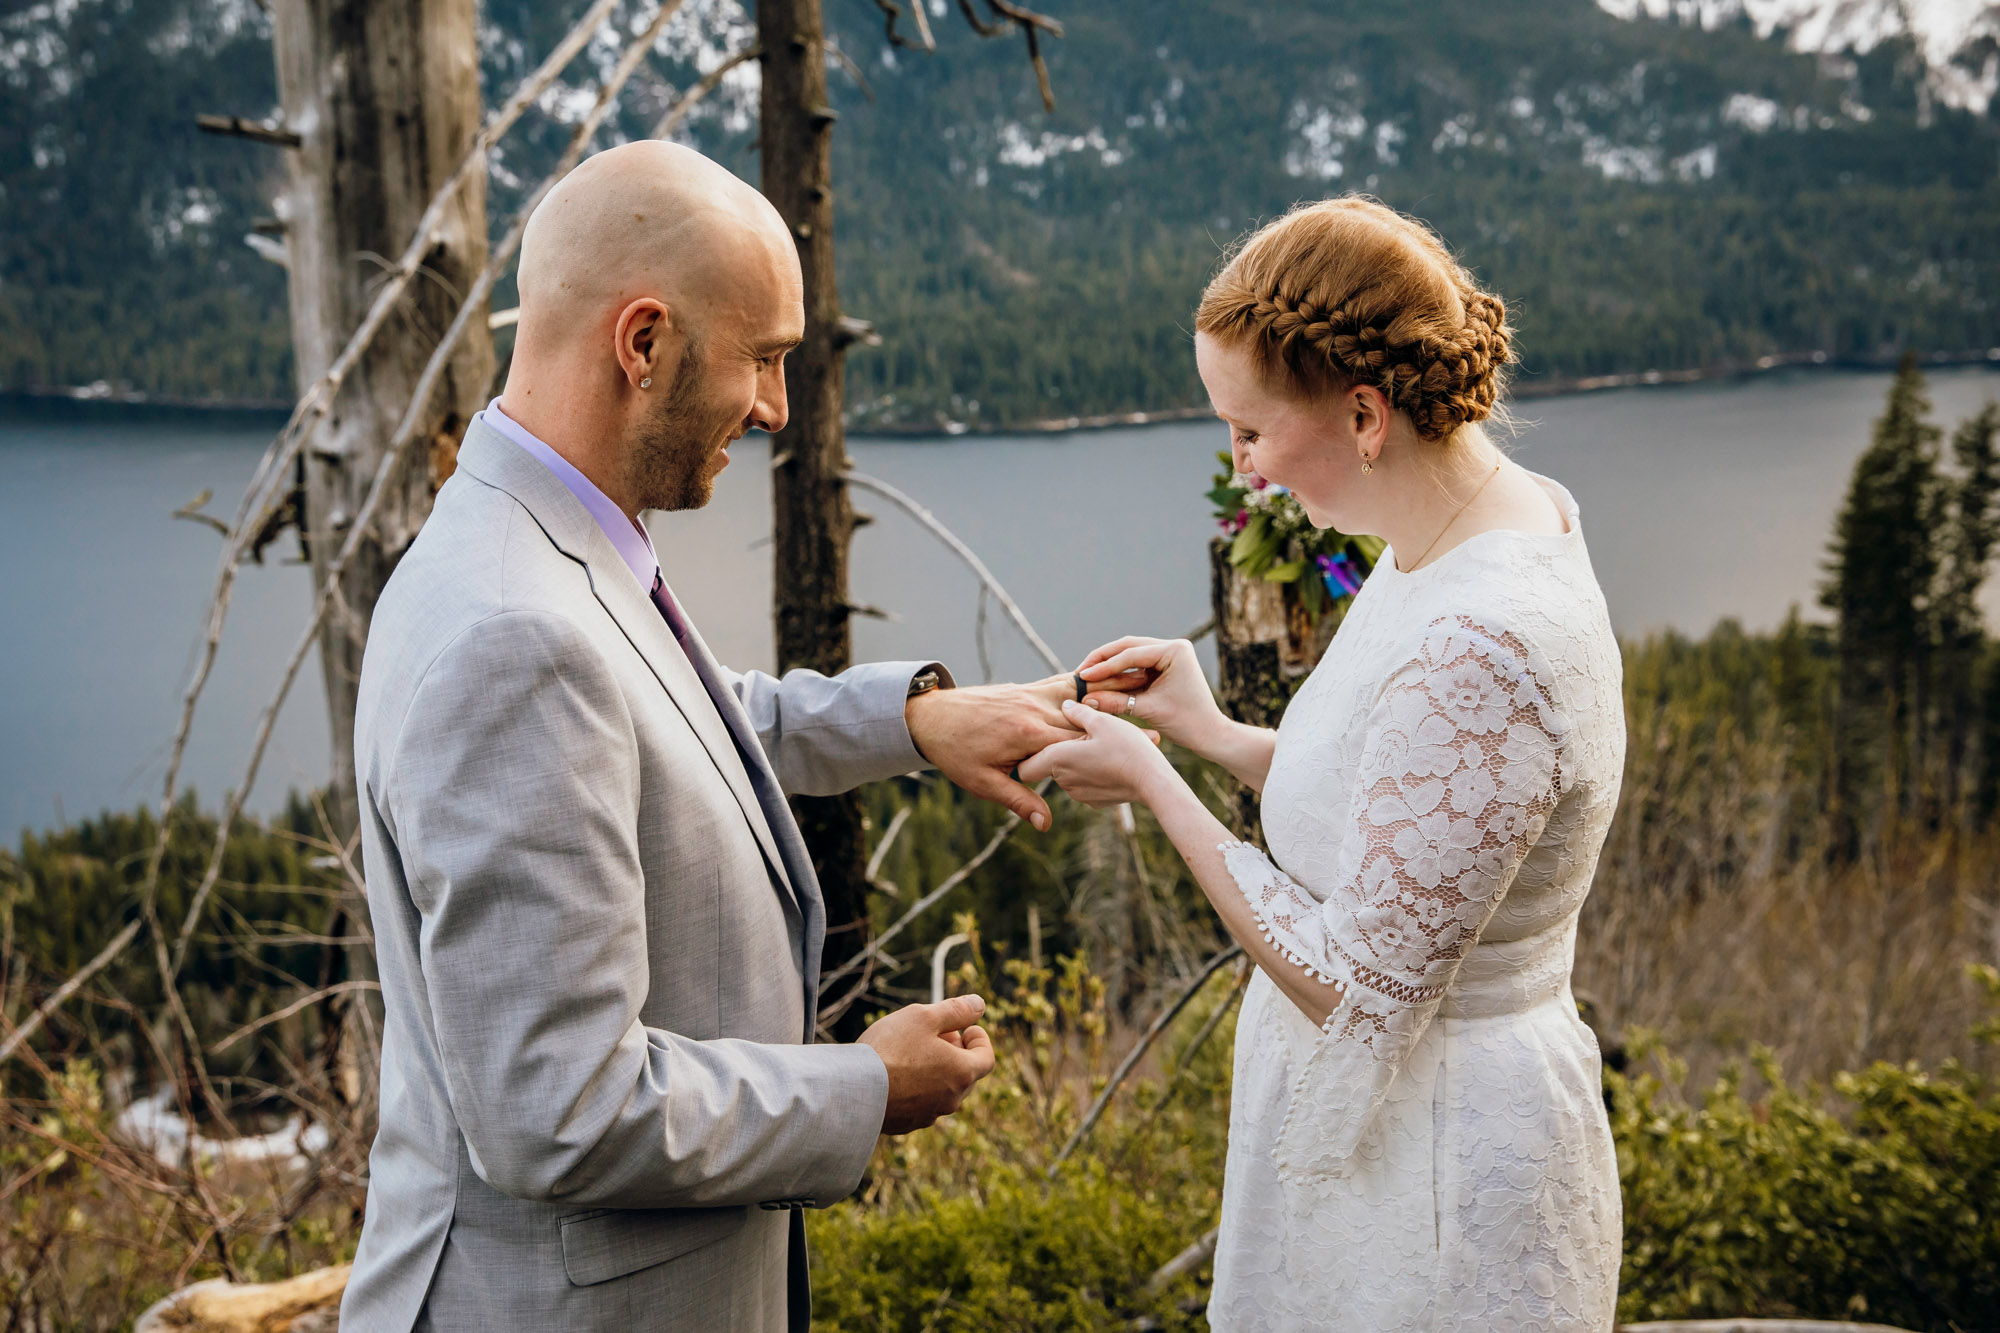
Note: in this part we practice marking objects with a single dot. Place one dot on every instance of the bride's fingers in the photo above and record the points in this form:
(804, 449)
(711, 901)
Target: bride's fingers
(1041, 764)
(1113, 648)
(1148, 656)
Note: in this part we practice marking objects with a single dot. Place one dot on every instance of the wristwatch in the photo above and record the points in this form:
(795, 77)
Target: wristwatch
(923, 683)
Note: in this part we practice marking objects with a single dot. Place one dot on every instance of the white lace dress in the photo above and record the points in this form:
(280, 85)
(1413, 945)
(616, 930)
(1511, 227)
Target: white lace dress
(1437, 1156)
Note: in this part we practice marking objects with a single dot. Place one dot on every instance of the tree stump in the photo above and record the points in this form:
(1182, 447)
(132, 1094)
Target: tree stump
(1264, 646)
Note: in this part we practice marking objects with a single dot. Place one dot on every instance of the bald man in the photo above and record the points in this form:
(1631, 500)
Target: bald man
(598, 928)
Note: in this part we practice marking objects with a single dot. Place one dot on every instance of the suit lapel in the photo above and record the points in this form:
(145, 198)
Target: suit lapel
(497, 461)
(647, 631)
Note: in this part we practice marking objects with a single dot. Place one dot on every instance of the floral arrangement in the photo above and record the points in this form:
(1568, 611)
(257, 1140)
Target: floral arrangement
(1272, 539)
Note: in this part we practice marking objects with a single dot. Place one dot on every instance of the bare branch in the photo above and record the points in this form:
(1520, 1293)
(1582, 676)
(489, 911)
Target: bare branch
(1133, 1056)
(192, 512)
(275, 135)
(951, 881)
(1008, 15)
(1187, 1261)
(891, 12)
(963, 552)
(896, 822)
(980, 25)
(692, 98)
(305, 1001)
(62, 993)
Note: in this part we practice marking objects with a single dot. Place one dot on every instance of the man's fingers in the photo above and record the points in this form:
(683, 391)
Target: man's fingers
(957, 1013)
(979, 1047)
(992, 785)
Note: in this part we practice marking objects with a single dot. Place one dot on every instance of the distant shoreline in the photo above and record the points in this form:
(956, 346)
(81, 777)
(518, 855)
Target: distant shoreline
(87, 396)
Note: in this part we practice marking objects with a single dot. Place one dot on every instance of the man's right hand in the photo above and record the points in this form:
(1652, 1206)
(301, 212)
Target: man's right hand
(934, 1054)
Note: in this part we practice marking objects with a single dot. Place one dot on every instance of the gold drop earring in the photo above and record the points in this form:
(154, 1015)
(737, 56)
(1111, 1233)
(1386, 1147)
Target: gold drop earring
(1367, 465)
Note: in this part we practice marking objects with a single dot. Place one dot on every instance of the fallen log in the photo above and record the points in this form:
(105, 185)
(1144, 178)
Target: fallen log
(308, 1303)
(1757, 1325)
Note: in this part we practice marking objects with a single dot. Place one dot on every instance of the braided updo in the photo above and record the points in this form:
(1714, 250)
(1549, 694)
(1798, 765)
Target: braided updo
(1348, 291)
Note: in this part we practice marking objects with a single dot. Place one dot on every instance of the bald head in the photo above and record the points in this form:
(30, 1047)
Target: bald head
(659, 295)
(646, 218)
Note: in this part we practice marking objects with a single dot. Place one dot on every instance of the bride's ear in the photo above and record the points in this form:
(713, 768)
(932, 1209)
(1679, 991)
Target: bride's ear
(1365, 412)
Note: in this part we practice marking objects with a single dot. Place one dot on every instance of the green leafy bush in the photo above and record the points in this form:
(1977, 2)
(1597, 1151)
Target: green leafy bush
(1880, 1201)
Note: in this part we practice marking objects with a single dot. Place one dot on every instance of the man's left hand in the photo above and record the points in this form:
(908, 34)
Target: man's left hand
(976, 734)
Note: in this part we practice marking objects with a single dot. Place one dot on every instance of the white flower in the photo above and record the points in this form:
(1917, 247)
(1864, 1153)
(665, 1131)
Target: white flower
(1471, 790)
(1394, 935)
(1437, 847)
(1514, 823)
(1472, 698)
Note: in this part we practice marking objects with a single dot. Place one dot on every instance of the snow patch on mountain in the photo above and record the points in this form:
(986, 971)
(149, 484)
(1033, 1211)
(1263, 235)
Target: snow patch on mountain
(1958, 39)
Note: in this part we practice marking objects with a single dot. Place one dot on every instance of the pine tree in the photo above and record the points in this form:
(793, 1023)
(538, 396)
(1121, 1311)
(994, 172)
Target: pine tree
(1969, 541)
(1882, 567)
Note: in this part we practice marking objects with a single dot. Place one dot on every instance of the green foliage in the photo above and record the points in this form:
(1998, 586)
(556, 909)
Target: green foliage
(1014, 1255)
(1273, 538)
(1909, 554)
(68, 891)
(961, 1228)
(1024, 266)
(1879, 1203)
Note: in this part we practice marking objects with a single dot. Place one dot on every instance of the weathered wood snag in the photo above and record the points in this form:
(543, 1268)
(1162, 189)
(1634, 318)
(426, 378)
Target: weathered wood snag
(384, 96)
(812, 517)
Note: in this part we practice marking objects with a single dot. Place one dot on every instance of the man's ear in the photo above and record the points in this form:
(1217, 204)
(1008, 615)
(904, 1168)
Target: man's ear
(643, 329)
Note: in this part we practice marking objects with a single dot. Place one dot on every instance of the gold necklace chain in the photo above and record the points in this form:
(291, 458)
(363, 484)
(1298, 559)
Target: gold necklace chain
(1455, 514)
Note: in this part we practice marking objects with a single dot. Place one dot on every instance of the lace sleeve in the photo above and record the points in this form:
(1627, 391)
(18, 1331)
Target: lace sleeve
(1462, 763)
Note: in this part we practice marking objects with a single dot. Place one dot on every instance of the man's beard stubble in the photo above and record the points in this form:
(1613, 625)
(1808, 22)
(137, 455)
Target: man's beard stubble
(672, 460)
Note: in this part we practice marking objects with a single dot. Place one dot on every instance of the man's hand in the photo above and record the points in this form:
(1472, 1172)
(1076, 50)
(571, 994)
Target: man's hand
(977, 734)
(934, 1055)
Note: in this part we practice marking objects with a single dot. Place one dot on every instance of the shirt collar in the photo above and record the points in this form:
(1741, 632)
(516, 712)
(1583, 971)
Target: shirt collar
(627, 535)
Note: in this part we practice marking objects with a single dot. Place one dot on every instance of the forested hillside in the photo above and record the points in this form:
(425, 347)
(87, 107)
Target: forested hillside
(1647, 194)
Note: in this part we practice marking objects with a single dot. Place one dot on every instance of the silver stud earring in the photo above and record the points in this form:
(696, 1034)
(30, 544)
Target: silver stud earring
(646, 383)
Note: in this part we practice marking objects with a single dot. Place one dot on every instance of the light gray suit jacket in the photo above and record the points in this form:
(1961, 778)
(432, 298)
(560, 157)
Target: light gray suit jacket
(599, 938)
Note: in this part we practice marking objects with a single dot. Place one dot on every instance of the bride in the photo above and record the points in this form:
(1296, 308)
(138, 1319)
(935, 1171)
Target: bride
(1418, 1138)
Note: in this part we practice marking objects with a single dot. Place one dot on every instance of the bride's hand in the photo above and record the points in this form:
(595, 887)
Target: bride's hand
(1113, 762)
(1157, 683)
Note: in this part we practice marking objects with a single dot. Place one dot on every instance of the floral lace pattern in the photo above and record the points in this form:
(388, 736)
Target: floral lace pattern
(1436, 1154)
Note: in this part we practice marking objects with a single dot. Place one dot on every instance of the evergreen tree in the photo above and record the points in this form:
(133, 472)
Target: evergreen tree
(1882, 569)
(1969, 540)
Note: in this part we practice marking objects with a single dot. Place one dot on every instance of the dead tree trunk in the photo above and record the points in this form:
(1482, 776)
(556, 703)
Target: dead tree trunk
(384, 95)
(812, 518)
(1264, 645)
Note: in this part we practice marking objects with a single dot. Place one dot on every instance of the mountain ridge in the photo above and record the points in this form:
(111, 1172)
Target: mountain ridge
(1648, 192)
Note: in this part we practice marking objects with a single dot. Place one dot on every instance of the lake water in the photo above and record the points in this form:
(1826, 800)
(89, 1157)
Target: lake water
(1699, 502)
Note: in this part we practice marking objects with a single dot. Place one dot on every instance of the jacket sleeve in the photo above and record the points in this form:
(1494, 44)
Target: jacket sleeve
(1461, 765)
(828, 734)
(516, 803)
